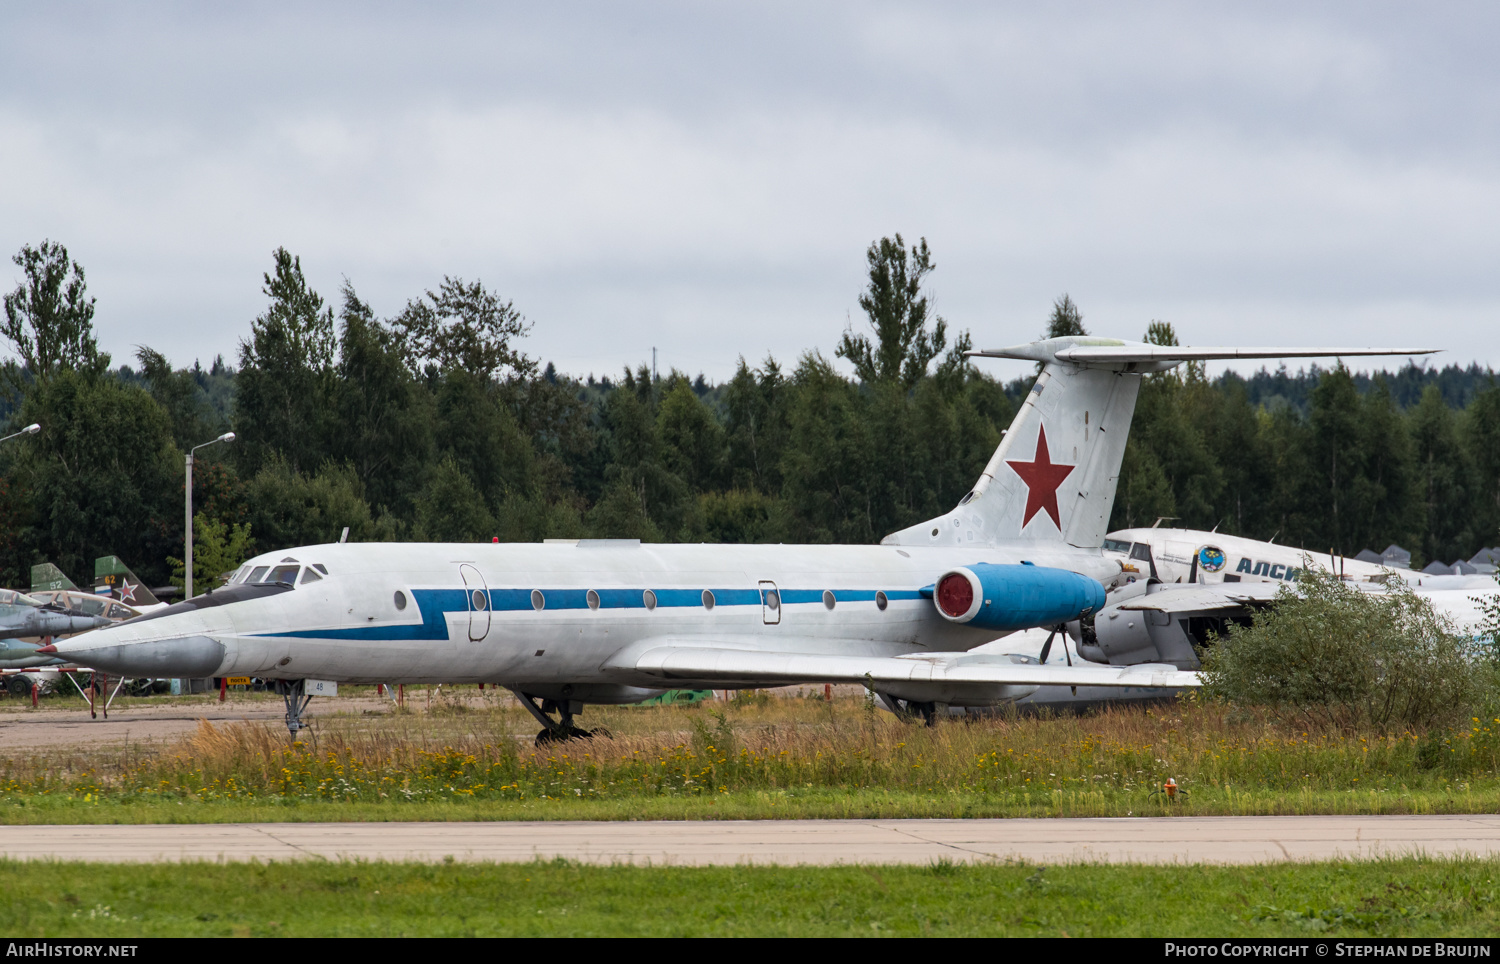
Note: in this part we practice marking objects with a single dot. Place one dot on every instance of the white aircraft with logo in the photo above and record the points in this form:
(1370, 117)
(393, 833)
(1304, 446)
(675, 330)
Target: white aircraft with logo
(1212, 576)
(614, 621)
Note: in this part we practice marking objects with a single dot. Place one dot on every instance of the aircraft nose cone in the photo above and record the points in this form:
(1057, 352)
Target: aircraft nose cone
(194, 656)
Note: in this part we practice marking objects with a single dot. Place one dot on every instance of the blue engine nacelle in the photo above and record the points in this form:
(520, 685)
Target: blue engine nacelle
(989, 596)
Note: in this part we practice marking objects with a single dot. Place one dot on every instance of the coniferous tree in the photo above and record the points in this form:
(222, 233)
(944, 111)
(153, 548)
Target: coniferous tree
(286, 375)
(49, 317)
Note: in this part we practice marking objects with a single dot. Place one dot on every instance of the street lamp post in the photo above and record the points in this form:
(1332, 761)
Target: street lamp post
(31, 429)
(187, 553)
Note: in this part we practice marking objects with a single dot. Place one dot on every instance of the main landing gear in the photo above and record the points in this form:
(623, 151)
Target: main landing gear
(560, 729)
(910, 709)
(296, 704)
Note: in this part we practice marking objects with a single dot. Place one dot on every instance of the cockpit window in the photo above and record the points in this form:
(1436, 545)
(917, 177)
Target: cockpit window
(1141, 551)
(13, 598)
(257, 573)
(94, 607)
(117, 611)
(321, 568)
(286, 574)
(1115, 545)
(310, 575)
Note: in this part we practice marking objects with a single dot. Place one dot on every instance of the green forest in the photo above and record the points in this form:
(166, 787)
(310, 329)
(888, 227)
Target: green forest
(435, 424)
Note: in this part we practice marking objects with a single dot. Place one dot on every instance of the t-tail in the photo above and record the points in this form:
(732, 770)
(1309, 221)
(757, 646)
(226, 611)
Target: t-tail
(1053, 478)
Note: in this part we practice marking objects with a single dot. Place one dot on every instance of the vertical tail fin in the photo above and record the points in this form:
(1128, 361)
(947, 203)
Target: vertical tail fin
(1053, 477)
(45, 576)
(113, 578)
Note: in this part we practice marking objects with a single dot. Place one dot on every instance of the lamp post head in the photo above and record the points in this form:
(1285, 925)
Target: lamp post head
(31, 429)
(226, 437)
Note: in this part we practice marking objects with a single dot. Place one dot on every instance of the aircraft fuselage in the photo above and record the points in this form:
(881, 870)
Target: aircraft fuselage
(539, 616)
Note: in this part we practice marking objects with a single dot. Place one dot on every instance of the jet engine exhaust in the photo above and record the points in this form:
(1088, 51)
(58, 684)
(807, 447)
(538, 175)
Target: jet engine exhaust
(1014, 597)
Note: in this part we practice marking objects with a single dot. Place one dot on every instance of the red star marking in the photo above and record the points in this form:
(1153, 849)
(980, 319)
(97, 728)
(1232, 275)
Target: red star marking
(1042, 477)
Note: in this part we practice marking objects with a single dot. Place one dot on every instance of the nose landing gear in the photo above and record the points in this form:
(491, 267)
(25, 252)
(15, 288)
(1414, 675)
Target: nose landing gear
(296, 704)
(561, 729)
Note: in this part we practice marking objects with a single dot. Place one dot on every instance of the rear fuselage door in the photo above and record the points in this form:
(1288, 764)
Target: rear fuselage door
(770, 602)
(478, 594)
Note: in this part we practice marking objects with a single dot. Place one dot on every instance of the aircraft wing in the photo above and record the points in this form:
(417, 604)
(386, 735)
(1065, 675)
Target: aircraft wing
(1171, 598)
(707, 662)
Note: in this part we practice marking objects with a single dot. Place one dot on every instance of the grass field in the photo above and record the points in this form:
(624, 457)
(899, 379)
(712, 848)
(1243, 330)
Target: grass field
(464, 757)
(1411, 898)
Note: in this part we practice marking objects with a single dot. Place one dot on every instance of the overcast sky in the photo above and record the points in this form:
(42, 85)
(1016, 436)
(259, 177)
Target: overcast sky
(705, 178)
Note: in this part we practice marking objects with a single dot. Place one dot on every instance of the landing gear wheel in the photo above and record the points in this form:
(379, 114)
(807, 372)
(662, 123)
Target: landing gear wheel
(910, 710)
(296, 705)
(561, 729)
(549, 737)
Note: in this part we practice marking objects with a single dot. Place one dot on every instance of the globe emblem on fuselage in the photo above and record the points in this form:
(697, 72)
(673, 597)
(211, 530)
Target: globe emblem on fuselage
(1211, 558)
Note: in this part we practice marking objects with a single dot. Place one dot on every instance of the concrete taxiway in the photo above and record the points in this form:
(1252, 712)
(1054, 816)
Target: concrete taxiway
(1217, 840)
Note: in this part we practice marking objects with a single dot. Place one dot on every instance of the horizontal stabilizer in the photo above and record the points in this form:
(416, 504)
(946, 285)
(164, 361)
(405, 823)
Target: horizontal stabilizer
(738, 665)
(1113, 353)
(1174, 353)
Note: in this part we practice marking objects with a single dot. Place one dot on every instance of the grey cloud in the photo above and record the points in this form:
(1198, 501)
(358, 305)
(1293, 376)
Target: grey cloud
(705, 178)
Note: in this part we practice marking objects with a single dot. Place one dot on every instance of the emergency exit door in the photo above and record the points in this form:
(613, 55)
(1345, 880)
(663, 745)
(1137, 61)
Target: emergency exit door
(478, 594)
(770, 602)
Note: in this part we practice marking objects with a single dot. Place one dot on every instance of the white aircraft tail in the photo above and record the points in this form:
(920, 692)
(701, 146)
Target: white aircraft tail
(1054, 475)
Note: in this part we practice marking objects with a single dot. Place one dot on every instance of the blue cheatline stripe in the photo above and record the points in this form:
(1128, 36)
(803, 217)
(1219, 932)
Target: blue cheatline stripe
(436, 604)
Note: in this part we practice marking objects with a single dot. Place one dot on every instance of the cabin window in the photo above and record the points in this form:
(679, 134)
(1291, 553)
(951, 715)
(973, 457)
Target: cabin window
(880, 600)
(648, 598)
(538, 601)
(828, 601)
(400, 599)
(481, 602)
(258, 574)
(708, 599)
(773, 599)
(284, 574)
(593, 599)
(310, 575)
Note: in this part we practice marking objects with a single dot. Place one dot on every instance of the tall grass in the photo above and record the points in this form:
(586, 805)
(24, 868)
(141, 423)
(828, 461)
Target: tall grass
(1104, 763)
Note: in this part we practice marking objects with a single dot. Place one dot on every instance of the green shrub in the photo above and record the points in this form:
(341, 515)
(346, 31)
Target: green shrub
(1331, 654)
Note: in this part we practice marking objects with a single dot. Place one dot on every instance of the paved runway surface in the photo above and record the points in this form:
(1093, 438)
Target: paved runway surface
(1224, 840)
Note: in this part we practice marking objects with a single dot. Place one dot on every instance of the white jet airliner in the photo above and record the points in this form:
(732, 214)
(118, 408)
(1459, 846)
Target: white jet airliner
(607, 621)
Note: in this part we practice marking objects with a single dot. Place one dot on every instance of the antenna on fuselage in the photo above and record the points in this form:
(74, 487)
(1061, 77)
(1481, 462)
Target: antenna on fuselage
(344, 536)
